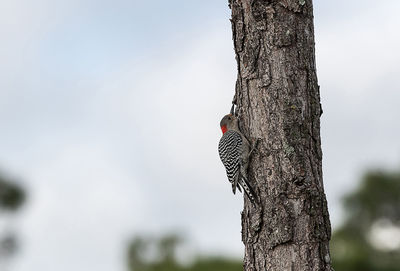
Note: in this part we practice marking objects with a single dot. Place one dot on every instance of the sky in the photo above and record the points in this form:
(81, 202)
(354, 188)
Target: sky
(109, 114)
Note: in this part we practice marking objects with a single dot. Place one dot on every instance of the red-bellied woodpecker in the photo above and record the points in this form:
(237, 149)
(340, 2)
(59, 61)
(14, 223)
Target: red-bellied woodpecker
(234, 150)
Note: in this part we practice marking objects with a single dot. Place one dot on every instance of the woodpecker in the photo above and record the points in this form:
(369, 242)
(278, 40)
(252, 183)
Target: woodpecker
(234, 150)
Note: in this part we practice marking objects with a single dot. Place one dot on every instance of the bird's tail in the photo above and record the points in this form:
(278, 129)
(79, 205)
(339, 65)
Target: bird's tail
(248, 190)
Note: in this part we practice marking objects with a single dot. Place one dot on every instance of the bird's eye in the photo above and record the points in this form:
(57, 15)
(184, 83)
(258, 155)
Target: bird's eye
(229, 118)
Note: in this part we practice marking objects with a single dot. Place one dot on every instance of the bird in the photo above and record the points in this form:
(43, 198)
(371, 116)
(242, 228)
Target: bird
(234, 151)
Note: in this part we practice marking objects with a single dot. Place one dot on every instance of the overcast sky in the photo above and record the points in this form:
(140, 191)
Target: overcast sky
(109, 114)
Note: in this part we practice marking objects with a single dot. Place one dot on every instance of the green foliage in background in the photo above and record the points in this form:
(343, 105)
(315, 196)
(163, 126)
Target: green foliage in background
(375, 204)
(145, 254)
(11, 195)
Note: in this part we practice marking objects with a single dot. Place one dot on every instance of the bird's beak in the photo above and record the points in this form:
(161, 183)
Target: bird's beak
(233, 109)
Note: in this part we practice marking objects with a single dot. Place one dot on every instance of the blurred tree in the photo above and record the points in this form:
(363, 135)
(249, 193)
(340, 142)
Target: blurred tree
(146, 254)
(8, 245)
(370, 237)
(278, 101)
(12, 197)
(136, 254)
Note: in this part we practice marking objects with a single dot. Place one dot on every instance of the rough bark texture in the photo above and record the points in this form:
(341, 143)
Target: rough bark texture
(278, 100)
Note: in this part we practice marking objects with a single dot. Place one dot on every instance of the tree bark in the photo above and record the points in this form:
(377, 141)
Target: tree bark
(278, 101)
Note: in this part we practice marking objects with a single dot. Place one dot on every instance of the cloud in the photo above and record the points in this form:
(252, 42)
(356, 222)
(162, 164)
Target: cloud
(80, 210)
(173, 105)
(357, 61)
(136, 151)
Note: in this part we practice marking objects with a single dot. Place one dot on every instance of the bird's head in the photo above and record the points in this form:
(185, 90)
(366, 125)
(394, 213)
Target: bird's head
(228, 122)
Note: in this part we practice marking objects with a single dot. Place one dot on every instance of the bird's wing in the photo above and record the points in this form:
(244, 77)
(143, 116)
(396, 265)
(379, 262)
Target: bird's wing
(229, 149)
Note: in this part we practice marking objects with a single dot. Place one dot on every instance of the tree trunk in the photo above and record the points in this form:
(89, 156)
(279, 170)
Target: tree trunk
(278, 101)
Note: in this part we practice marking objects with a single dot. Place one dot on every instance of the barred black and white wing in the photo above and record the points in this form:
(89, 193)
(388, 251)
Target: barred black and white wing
(230, 148)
